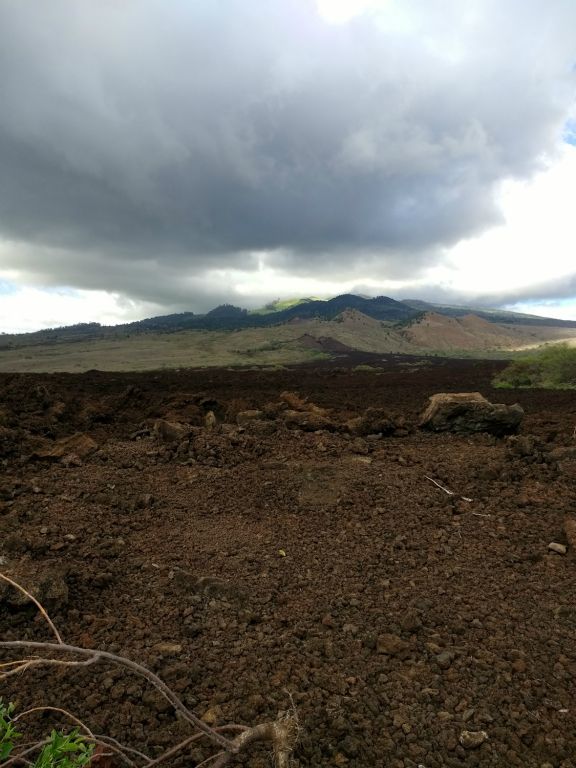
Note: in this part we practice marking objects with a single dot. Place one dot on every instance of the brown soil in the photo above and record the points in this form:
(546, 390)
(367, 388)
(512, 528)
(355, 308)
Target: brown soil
(395, 615)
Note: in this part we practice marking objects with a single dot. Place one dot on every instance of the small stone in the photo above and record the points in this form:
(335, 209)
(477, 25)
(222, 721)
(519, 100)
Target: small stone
(92, 701)
(519, 665)
(391, 645)
(70, 537)
(170, 649)
(473, 739)
(444, 660)
(210, 717)
(560, 549)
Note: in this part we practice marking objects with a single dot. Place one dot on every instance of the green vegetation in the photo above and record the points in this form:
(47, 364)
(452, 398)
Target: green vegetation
(281, 304)
(59, 751)
(551, 367)
(8, 733)
(65, 751)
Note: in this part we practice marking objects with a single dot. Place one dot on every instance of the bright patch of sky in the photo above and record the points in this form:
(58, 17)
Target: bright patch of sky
(570, 132)
(536, 243)
(23, 308)
(341, 11)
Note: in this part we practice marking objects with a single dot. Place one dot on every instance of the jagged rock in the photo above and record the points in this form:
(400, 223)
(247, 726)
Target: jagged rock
(373, 421)
(245, 417)
(308, 421)
(470, 412)
(262, 427)
(391, 645)
(79, 445)
(297, 403)
(169, 431)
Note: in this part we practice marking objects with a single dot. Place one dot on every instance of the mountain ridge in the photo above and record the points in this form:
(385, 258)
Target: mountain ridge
(228, 317)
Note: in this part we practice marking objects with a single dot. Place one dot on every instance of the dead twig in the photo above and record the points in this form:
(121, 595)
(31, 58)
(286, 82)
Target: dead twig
(60, 711)
(282, 733)
(190, 740)
(108, 741)
(120, 661)
(36, 603)
(446, 490)
(38, 662)
(438, 485)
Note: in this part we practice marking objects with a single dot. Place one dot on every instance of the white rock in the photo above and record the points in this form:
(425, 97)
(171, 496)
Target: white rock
(473, 739)
(561, 549)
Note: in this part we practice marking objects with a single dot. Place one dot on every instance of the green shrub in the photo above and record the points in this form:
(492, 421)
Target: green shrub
(8, 733)
(552, 367)
(59, 751)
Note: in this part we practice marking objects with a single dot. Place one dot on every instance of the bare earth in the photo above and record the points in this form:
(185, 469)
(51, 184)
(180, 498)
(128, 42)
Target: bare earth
(397, 616)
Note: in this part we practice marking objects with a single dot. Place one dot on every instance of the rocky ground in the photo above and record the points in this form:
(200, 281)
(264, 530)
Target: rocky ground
(300, 552)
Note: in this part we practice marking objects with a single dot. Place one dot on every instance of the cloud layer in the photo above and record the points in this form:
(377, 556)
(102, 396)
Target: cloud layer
(147, 143)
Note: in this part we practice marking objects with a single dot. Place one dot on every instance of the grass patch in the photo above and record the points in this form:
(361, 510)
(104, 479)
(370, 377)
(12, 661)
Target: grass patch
(364, 367)
(551, 367)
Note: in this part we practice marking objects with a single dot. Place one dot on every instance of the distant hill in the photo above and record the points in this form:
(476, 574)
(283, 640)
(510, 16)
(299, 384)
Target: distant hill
(280, 304)
(227, 317)
(295, 340)
(492, 315)
(228, 311)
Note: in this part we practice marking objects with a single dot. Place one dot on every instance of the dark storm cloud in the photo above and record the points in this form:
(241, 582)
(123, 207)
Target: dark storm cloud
(147, 140)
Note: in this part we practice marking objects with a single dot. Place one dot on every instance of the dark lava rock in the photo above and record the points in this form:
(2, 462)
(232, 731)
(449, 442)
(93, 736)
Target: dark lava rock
(470, 412)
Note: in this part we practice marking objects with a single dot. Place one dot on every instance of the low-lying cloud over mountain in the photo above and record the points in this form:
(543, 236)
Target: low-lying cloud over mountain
(164, 150)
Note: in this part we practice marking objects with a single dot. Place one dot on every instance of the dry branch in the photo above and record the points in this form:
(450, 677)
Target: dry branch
(282, 734)
(36, 603)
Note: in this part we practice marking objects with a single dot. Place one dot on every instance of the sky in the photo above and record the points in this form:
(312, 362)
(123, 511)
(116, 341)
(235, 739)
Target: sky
(162, 156)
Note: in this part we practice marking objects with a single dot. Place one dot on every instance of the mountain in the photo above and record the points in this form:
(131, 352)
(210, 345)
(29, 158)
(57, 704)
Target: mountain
(492, 315)
(380, 308)
(346, 308)
(279, 304)
(442, 333)
(296, 340)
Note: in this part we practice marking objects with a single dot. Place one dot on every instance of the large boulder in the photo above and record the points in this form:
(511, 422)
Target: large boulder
(470, 412)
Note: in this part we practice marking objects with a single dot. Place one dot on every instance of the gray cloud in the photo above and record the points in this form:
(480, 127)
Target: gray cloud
(553, 291)
(143, 143)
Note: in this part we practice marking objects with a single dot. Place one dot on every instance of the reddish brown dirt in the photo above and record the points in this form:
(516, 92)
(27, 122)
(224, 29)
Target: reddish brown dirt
(483, 616)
